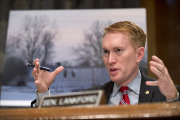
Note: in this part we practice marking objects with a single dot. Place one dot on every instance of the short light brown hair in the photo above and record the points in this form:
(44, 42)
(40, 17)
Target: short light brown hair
(136, 34)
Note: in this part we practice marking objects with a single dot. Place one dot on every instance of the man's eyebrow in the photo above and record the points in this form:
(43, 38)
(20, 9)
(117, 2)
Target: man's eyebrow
(117, 48)
(104, 48)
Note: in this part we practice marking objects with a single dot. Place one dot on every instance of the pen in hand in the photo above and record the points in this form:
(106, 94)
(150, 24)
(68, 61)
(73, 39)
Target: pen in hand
(41, 67)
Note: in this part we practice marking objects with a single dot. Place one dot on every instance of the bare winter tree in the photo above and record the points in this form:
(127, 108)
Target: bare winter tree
(35, 39)
(90, 52)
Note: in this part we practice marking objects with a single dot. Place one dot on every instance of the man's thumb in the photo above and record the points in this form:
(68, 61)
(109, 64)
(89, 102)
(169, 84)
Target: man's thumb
(58, 70)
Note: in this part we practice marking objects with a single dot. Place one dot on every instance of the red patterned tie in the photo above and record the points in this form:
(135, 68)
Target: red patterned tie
(125, 97)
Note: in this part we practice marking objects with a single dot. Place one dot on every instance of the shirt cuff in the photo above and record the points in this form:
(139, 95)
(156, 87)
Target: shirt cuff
(41, 95)
(174, 99)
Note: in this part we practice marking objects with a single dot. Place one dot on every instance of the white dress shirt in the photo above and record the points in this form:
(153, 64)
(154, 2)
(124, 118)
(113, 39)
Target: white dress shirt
(133, 92)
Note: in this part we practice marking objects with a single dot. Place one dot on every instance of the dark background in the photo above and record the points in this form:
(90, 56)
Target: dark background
(163, 26)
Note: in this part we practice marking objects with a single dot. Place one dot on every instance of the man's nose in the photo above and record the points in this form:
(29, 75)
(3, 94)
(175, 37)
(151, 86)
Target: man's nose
(112, 58)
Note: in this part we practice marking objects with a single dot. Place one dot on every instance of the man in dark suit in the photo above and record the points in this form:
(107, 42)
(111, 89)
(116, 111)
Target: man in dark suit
(123, 49)
(123, 45)
(147, 94)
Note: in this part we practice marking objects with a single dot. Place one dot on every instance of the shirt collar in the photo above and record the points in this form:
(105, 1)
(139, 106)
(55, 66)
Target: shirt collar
(133, 86)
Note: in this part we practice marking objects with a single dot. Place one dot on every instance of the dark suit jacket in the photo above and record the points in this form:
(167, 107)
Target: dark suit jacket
(147, 93)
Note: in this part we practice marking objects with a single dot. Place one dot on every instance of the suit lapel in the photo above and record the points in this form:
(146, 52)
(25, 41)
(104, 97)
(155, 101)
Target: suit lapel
(108, 88)
(146, 92)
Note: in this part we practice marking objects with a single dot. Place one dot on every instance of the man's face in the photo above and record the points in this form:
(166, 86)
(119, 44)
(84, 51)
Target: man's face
(120, 57)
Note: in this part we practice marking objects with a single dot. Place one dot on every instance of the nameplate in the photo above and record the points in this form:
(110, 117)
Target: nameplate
(86, 98)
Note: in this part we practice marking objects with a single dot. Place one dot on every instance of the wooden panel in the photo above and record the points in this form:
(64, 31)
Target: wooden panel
(141, 111)
(163, 29)
(168, 30)
(151, 28)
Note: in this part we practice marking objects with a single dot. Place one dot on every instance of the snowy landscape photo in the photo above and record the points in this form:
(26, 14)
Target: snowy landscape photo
(71, 38)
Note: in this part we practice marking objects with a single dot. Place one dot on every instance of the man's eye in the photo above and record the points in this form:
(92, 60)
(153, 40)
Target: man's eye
(105, 51)
(117, 50)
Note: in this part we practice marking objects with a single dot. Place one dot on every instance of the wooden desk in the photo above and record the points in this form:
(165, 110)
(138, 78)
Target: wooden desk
(141, 111)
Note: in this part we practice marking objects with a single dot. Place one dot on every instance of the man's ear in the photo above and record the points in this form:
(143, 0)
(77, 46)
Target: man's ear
(139, 54)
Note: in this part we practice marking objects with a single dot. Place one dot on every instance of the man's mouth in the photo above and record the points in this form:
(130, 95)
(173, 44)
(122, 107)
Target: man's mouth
(113, 71)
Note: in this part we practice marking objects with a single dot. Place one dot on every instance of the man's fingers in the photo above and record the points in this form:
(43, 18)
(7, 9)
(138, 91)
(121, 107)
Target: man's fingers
(155, 71)
(152, 83)
(33, 72)
(156, 59)
(58, 70)
(158, 66)
(37, 64)
(36, 60)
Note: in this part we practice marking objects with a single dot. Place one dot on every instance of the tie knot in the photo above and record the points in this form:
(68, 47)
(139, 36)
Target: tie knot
(123, 89)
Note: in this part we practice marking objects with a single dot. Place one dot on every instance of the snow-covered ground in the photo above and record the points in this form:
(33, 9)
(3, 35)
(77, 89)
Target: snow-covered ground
(67, 81)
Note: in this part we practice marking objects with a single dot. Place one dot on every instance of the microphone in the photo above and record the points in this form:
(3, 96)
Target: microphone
(41, 67)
